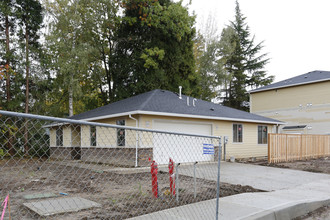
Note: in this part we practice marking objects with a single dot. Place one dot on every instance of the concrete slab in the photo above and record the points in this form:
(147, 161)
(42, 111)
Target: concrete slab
(292, 193)
(259, 177)
(39, 196)
(61, 205)
(201, 210)
(267, 178)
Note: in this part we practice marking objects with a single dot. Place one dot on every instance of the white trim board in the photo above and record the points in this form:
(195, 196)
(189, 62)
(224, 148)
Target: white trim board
(138, 112)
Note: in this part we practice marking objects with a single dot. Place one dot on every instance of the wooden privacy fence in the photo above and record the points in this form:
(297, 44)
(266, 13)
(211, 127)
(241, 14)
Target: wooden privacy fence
(290, 147)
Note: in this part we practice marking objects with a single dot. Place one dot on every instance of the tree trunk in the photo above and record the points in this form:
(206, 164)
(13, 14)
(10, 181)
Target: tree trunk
(70, 102)
(26, 136)
(27, 70)
(10, 147)
(7, 62)
(71, 97)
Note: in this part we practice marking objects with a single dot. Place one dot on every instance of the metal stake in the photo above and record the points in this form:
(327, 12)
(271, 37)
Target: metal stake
(177, 181)
(218, 182)
(195, 179)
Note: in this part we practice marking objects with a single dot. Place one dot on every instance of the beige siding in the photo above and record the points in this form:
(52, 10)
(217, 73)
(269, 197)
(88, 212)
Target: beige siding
(249, 147)
(145, 139)
(291, 97)
(107, 137)
(85, 136)
(76, 136)
(52, 136)
(301, 105)
(67, 137)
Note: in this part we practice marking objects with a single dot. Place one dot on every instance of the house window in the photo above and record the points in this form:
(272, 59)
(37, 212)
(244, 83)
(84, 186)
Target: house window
(59, 137)
(120, 133)
(93, 135)
(262, 134)
(237, 133)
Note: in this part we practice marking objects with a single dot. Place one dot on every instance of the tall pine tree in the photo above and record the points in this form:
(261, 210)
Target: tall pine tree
(243, 63)
(30, 19)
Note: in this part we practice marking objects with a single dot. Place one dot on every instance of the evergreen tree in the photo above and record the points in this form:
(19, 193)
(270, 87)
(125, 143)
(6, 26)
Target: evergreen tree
(242, 62)
(30, 19)
(7, 18)
(155, 49)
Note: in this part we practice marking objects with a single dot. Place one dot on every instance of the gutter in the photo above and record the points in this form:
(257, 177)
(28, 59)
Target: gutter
(139, 112)
(137, 139)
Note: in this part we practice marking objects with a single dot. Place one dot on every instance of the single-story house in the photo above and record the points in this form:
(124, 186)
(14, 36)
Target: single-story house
(302, 101)
(166, 111)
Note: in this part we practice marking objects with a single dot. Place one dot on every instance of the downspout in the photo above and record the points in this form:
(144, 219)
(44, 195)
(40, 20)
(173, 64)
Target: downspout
(137, 139)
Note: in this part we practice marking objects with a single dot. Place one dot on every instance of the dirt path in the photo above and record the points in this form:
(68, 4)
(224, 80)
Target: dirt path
(321, 165)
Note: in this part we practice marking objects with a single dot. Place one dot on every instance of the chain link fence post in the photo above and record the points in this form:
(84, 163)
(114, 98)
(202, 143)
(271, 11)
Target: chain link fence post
(218, 181)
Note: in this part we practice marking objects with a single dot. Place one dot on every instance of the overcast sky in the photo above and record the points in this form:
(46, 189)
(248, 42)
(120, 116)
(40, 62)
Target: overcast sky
(296, 33)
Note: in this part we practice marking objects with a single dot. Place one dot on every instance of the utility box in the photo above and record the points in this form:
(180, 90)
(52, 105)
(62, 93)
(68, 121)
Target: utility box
(226, 139)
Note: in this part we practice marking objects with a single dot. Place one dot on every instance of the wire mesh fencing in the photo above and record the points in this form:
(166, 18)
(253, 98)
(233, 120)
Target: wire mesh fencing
(54, 168)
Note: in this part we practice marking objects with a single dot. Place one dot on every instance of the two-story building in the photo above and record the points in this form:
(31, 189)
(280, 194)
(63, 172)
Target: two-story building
(303, 102)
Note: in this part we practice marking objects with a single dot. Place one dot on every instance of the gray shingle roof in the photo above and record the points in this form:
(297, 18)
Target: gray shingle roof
(307, 78)
(162, 101)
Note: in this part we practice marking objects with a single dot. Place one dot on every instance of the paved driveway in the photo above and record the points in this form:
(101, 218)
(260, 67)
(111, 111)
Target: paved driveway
(293, 193)
(260, 177)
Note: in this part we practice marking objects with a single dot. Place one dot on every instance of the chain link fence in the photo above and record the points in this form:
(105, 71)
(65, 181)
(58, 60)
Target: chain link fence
(54, 168)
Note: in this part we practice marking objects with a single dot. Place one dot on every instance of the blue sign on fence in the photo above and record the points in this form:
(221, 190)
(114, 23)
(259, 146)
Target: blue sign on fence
(208, 149)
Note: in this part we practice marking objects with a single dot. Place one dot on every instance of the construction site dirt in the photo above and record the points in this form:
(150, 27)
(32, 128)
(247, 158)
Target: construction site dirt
(121, 194)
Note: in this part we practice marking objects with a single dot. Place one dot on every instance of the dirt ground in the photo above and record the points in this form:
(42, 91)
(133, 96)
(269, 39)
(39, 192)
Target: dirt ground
(321, 165)
(121, 194)
(322, 213)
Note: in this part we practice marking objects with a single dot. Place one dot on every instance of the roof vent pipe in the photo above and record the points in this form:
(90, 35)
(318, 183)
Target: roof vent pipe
(194, 100)
(180, 88)
(188, 101)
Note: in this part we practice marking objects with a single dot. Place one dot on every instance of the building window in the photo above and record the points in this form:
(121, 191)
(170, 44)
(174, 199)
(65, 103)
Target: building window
(237, 133)
(93, 135)
(120, 133)
(59, 137)
(262, 134)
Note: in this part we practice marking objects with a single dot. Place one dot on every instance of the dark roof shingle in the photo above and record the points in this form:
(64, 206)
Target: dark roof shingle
(162, 101)
(307, 78)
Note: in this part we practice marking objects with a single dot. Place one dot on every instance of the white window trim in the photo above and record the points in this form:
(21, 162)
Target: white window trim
(232, 130)
(258, 135)
(90, 140)
(123, 119)
(61, 128)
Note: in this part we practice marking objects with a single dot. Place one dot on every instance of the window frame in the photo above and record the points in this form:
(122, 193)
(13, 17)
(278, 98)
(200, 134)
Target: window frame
(93, 143)
(121, 138)
(239, 138)
(59, 137)
(261, 138)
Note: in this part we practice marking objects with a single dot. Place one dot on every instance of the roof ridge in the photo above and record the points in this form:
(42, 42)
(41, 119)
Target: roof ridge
(148, 99)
